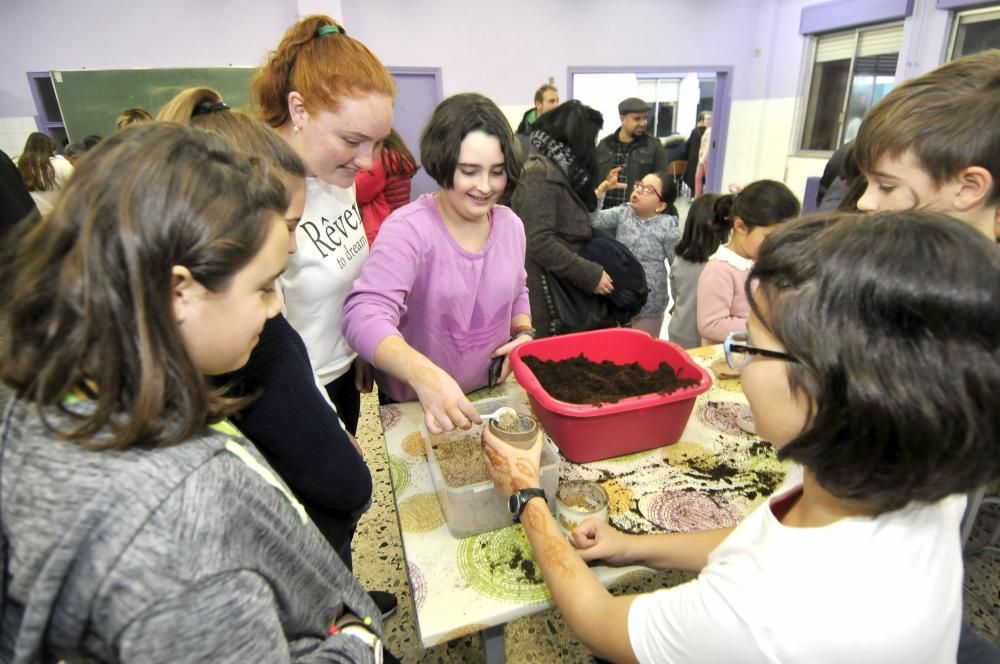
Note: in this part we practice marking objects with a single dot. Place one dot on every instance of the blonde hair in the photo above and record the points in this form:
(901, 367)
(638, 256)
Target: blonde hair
(322, 67)
(204, 108)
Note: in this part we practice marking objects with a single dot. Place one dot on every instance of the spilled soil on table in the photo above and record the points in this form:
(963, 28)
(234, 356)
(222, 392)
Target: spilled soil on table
(579, 380)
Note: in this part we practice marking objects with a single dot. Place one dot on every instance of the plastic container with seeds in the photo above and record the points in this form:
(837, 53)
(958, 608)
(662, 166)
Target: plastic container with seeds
(473, 508)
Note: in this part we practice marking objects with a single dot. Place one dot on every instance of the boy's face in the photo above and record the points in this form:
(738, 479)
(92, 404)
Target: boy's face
(901, 183)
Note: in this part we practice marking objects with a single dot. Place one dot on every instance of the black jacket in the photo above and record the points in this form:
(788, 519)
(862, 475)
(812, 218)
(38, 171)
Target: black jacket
(641, 157)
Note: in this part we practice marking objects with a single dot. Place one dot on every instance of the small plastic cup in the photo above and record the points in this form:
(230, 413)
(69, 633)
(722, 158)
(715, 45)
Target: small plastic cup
(578, 500)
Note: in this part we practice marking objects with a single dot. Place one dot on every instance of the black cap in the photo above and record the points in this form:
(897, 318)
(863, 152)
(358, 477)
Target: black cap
(633, 105)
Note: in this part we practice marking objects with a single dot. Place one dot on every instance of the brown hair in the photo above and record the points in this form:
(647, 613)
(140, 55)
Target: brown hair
(323, 68)
(540, 92)
(396, 157)
(89, 309)
(34, 166)
(949, 118)
(204, 108)
(892, 321)
(131, 116)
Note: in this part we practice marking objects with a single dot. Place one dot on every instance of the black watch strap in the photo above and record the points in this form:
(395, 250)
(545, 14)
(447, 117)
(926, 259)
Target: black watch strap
(519, 499)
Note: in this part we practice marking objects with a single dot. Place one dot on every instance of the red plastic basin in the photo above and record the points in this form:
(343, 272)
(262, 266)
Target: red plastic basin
(587, 433)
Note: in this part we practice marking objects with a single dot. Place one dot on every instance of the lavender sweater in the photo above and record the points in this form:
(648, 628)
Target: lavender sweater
(452, 305)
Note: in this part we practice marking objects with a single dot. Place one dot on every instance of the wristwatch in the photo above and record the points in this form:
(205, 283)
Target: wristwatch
(519, 499)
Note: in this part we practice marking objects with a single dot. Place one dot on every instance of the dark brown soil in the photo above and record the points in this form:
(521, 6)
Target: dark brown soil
(579, 380)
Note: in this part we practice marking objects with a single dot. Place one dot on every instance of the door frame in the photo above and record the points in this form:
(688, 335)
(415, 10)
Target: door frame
(720, 109)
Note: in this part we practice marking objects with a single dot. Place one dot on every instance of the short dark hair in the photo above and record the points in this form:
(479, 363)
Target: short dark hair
(89, 297)
(893, 321)
(540, 92)
(708, 223)
(765, 203)
(949, 118)
(454, 119)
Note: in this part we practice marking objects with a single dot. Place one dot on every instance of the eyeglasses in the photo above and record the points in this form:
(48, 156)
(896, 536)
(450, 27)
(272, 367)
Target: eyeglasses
(646, 189)
(738, 351)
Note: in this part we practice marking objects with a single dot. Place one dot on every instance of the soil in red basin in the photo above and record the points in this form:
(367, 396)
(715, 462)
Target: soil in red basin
(579, 380)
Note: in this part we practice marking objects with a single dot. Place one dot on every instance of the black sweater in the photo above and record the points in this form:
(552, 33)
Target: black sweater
(299, 433)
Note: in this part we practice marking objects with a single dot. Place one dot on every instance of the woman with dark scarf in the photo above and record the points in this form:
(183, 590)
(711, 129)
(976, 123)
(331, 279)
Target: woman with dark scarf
(554, 200)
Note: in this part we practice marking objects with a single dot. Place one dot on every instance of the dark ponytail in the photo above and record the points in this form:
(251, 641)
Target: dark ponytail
(765, 203)
(708, 223)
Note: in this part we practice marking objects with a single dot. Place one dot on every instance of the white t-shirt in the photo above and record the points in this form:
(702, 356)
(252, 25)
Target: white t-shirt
(863, 589)
(332, 247)
(46, 200)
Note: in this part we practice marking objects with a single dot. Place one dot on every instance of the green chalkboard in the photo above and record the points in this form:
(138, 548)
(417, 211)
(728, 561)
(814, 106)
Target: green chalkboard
(90, 100)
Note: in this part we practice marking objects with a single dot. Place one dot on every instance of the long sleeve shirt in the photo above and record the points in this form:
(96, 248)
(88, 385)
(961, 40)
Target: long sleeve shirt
(723, 306)
(452, 305)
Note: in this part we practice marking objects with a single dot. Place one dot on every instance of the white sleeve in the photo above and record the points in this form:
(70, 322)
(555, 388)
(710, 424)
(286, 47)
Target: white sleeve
(691, 623)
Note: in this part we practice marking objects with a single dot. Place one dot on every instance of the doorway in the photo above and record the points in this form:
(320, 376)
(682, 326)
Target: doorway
(677, 95)
(418, 92)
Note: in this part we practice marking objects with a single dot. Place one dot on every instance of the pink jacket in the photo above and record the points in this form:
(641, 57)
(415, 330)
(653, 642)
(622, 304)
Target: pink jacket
(722, 302)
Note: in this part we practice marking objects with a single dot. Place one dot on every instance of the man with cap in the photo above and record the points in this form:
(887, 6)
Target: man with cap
(630, 147)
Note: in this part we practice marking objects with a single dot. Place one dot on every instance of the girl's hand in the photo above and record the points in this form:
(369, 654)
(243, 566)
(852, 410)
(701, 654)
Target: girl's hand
(610, 182)
(445, 405)
(512, 468)
(595, 539)
(505, 352)
(605, 286)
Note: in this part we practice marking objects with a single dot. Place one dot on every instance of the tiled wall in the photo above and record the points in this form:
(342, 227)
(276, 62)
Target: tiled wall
(14, 132)
(761, 145)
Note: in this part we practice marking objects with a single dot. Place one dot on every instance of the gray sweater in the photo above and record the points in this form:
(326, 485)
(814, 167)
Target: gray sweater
(180, 554)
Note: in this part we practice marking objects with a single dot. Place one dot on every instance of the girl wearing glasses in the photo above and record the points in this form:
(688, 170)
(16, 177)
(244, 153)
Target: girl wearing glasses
(870, 359)
(722, 304)
(650, 231)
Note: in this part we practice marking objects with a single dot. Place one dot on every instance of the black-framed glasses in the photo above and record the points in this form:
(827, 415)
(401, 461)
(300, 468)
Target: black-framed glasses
(648, 189)
(738, 351)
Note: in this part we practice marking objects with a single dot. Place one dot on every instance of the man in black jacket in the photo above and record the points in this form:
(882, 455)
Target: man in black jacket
(630, 147)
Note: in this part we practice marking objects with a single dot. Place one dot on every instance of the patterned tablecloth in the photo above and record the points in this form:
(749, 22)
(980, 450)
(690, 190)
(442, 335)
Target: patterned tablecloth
(711, 478)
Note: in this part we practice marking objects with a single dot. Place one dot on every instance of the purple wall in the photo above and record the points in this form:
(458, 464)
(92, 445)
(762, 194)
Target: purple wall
(506, 52)
(840, 14)
(503, 51)
(40, 35)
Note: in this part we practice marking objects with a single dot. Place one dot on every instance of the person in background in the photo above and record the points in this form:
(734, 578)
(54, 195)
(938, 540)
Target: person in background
(758, 210)
(131, 116)
(444, 292)
(694, 147)
(15, 199)
(291, 420)
(554, 199)
(631, 148)
(887, 445)
(546, 98)
(43, 171)
(138, 526)
(386, 185)
(73, 152)
(650, 231)
(704, 150)
(331, 99)
(705, 229)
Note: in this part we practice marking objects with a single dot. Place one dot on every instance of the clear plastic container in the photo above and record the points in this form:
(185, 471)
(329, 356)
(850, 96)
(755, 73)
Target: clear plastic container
(478, 508)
